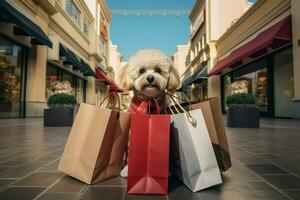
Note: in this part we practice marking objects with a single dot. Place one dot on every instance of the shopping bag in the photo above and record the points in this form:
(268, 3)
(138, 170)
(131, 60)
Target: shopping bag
(148, 156)
(96, 144)
(192, 155)
(211, 110)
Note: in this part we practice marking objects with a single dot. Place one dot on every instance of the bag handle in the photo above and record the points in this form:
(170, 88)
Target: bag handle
(187, 101)
(113, 97)
(190, 118)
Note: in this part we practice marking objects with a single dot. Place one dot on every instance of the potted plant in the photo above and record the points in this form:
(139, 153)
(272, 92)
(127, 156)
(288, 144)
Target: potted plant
(60, 111)
(242, 111)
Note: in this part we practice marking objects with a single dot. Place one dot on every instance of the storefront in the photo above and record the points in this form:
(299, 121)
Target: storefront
(256, 56)
(269, 79)
(19, 37)
(68, 75)
(63, 80)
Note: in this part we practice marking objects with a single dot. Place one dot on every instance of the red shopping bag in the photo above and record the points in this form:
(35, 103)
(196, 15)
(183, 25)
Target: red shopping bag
(148, 159)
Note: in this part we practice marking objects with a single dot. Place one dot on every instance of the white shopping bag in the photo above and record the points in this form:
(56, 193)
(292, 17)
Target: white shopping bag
(192, 154)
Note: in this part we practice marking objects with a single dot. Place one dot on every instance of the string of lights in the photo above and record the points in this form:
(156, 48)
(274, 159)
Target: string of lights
(138, 13)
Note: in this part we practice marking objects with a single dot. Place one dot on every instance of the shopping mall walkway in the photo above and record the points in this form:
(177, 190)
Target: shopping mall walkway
(266, 165)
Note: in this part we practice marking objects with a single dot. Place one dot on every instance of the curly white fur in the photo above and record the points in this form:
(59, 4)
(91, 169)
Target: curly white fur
(153, 65)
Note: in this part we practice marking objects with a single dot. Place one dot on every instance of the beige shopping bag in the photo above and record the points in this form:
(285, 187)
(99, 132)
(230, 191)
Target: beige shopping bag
(96, 145)
(212, 113)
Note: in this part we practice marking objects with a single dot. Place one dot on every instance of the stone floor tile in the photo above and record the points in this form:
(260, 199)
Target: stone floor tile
(266, 169)
(39, 179)
(58, 196)
(258, 190)
(104, 193)
(22, 193)
(283, 182)
(67, 184)
(293, 194)
(116, 181)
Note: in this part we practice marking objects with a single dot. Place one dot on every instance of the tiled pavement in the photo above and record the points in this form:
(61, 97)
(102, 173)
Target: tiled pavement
(266, 165)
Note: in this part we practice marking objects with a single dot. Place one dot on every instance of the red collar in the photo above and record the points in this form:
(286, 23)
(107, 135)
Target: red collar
(138, 105)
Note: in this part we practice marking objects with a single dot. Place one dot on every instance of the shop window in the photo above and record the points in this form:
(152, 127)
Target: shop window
(11, 78)
(60, 81)
(73, 11)
(249, 79)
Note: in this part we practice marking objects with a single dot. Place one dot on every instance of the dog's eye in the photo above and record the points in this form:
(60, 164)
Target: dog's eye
(157, 70)
(142, 71)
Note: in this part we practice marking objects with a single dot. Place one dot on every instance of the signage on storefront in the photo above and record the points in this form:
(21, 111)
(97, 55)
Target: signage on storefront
(198, 23)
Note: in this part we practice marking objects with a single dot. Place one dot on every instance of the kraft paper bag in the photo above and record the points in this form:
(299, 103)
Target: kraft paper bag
(193, 159)
(212, 113)
(96, 145)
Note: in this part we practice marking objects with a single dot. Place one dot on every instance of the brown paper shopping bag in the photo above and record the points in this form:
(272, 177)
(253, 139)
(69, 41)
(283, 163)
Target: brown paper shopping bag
(96, 145)
(212, 113)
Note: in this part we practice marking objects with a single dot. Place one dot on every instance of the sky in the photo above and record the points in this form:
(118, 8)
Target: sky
(132, 33)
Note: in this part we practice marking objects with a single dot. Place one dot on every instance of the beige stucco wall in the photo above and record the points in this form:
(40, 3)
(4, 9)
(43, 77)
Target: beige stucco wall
(115, 59)
(223, 14)
(180, 58)
(295, 10)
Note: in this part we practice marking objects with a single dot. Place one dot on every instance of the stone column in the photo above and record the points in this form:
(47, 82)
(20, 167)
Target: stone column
(36, 76)
(36, 81)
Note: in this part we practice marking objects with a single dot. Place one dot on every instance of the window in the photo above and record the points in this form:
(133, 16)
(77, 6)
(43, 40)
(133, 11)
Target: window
(85, 27)
(192, 55)
(204, 41)
(252, 79)
(73, 11)
(103, 47)
(58, 80)
(12, 68)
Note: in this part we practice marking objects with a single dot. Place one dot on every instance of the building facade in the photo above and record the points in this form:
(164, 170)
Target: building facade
(179, 58)
(47, 46)
(209, 20)
(258, 55)
(115, 59)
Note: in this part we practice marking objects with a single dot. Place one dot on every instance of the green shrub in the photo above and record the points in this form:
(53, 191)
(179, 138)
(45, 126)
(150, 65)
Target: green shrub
(61, 100)
(242, 98)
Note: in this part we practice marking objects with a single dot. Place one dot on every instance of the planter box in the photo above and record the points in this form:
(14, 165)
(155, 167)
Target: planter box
(243, 117)
(58, 116)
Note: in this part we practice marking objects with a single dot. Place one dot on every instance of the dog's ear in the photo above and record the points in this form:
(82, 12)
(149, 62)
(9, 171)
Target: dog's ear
(124, 78)
(174, 79)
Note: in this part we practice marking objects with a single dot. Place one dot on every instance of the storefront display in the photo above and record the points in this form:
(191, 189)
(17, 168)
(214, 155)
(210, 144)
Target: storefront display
(270, 80)
(60, 81)
(11, 71)
(251, 79)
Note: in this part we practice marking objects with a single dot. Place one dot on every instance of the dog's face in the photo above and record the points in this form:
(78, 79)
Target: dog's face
(149, 72)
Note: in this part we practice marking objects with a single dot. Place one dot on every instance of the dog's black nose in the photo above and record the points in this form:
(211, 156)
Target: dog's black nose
(150, 78)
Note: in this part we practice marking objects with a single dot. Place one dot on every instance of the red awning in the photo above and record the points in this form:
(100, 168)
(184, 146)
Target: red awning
(278, 34)
(113, 86)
